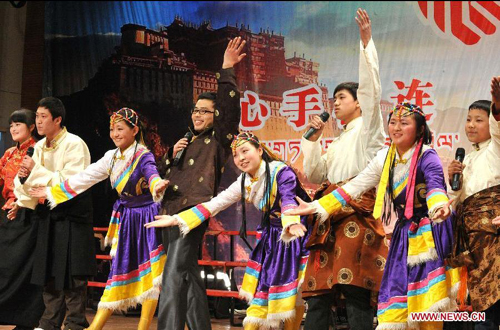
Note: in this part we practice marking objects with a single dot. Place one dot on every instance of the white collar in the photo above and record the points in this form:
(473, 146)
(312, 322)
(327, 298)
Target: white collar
(353, 123)
(481, 145)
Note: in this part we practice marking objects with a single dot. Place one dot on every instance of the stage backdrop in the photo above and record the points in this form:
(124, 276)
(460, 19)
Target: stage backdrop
(157, 57)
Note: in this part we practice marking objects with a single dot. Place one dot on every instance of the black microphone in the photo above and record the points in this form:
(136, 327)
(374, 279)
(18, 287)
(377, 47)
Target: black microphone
(459, 155)
(29, 153)
(177, 157)
(324, 117)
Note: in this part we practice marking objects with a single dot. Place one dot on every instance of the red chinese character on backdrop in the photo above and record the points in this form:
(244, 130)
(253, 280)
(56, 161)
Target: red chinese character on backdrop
(416, 95)
(294, 150)
(299, 104)
(254, 112)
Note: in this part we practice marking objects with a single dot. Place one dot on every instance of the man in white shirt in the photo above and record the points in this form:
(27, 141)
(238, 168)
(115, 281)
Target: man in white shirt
(64, 253)
(348, 251)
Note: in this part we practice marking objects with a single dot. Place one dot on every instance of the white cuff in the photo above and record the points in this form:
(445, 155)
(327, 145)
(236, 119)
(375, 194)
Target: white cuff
(323, 215)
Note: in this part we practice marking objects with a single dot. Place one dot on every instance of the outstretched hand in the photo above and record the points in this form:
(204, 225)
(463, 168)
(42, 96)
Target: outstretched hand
(162, 221)
(38, 192)
(444, 212)
(304, 208)
(365, 26)
(233, 54)
(160, 187)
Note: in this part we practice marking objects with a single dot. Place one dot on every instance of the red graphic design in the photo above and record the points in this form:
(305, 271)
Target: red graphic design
(462, 15)
(254, 112)
(280, 148)
(445, 140)
(299, 104)
(294, 149)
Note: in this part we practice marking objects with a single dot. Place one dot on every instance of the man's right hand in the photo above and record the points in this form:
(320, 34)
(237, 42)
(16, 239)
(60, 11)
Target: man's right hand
(455, 167)
(318, 125)
(495, 94)
(365, 26)
(181, 144)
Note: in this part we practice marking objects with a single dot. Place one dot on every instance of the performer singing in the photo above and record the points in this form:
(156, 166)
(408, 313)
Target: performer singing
(138, 256)
(21, 303)
(478, 202)
(348, 251)
(275, 269)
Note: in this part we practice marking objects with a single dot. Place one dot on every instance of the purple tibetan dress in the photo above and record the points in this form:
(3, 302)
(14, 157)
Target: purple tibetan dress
(138, 256)
(416, 278)
(276, 266)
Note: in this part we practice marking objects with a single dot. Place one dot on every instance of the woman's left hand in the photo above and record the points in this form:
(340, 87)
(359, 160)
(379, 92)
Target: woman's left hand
(297, 230)
(444, 212)
(162, 221)
(304, 208)
(11, 215)
(160, 187)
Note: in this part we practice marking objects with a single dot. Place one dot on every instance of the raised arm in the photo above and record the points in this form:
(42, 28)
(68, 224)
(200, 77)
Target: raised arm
(227, 105)
(369, 91)
(495, 115)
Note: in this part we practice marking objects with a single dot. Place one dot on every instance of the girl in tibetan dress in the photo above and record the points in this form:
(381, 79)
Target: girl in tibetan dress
(138, 255)
(276, 266)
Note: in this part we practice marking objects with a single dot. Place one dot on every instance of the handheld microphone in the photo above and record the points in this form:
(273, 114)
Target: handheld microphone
(29, 153)
(177, 157)
(459, 155)
(324, 117)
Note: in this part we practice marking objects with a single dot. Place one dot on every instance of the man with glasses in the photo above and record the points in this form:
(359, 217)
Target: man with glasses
(195, 178)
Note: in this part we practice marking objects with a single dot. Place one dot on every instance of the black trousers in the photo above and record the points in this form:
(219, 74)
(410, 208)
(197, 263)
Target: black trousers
(58, 301)
(492, 321)
(359, 311)
(21, 303)
(183, 299)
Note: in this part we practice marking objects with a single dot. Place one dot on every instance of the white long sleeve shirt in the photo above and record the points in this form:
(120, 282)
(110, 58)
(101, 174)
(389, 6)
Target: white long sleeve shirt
(482, 165)
(67, 156)
(351, 152)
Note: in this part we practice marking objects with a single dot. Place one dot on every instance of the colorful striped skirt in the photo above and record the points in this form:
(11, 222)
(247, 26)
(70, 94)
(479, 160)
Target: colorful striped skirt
(138, 258)
(418, 285)
(272, 278)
